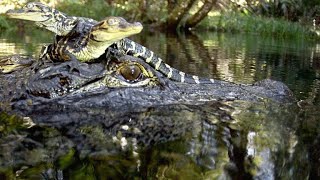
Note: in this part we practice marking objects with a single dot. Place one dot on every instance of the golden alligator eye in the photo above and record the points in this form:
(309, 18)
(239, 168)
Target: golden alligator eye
(130, 72)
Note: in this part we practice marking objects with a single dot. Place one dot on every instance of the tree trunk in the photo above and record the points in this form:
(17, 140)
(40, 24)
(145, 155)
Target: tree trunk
(143, 8)
(171, 5)
(177, 14)
(201, 14)
(109, 2)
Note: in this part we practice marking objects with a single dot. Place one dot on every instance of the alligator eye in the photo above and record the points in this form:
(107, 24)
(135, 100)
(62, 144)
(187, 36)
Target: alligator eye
(130, 72)
(30, 5)
(112, 21)
(45, 9)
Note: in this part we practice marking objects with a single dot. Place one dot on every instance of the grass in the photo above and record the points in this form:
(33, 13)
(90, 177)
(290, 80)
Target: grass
(96, 9)
(236, 22)
(4, 24)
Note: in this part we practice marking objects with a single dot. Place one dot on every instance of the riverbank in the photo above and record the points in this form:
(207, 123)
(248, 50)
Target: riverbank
(215, 21)
(240, 23)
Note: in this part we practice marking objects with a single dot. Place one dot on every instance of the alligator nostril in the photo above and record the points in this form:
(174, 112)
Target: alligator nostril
(9, 11)
(137, 24)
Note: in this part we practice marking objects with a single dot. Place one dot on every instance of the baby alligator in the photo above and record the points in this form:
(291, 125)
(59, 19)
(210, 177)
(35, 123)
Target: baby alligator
(88, 46)
(63, 25)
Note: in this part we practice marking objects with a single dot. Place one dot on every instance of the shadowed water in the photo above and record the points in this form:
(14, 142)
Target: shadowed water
(229, 139)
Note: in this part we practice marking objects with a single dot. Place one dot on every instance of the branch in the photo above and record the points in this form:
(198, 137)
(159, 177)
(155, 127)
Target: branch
(201, 14)
(178, 13)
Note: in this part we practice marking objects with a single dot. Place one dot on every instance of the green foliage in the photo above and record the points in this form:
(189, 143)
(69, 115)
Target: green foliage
(249, 19)
(237, 22)
(4, 23)
(292, 10)
(96, 9)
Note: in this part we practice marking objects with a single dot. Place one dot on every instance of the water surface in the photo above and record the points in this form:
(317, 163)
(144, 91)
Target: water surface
(239, 140)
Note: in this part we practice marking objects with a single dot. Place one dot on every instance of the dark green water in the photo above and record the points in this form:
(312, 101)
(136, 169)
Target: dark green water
(237, 140)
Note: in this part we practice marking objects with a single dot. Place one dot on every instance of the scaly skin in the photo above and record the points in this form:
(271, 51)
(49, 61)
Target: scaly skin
(86, 47)
(49, 18)
(75, 30)
(63, 25)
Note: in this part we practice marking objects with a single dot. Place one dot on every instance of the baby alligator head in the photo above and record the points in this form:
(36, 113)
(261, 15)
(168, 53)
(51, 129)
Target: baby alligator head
(112, 29)
(105, 33)
(34, 11)
(44, 16)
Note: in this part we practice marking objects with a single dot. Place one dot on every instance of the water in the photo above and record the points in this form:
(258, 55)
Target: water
(238, 140)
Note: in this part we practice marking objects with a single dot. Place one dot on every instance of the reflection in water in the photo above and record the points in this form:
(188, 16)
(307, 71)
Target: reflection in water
(185, 141)
(240, 58)
(24, 43)
(238, 140)
(7, 48)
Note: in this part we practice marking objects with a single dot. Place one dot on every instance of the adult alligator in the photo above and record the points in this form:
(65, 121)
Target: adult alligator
(123, 81)
(100, 109)
(66, 26)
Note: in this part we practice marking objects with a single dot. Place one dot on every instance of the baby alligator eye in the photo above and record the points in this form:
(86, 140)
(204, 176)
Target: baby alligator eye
(130, 72)
(112, 22)
(29, 6)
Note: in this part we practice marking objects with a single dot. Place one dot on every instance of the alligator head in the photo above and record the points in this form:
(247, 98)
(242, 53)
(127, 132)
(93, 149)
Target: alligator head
(73, 77)
(37, 12)
(105, 33)
(44, 16)
(114, 29)
(124, 81)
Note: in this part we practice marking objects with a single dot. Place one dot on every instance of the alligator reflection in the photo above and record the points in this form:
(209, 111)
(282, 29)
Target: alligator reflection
(185, 141)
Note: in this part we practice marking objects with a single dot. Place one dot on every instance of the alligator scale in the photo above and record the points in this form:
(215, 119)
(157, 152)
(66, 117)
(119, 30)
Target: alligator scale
(76, 32)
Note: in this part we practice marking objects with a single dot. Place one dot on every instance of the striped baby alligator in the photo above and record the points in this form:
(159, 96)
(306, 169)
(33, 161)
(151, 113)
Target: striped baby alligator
(78, 29)
(90, 45)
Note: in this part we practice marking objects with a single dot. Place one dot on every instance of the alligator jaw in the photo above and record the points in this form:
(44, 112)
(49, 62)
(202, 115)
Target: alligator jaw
(26, 15)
